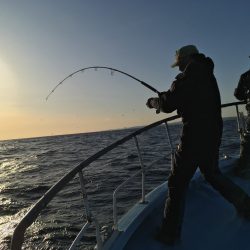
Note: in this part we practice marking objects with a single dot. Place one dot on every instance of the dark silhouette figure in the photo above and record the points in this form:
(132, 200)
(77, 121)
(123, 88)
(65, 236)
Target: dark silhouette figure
(195, 96)
(242, 93)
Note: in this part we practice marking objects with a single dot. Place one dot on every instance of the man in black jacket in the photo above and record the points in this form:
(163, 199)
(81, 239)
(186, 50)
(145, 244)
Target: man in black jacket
(242, 93)
(195, 96)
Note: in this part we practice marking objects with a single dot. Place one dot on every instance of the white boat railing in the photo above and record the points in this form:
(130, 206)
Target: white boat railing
(32, 214)
(115, 193)
(142, 171)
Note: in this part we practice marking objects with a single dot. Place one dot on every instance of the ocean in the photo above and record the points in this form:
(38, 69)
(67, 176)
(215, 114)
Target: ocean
(29, 167)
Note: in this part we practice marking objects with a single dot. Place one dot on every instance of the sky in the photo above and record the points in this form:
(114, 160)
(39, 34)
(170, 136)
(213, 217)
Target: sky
(43, 41)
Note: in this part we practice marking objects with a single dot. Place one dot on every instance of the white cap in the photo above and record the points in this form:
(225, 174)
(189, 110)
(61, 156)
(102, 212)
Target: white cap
(185, 51)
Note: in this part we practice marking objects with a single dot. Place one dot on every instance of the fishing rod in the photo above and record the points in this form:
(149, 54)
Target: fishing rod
(112, 71)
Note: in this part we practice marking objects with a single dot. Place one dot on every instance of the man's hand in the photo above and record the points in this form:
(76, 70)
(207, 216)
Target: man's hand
(153, 102)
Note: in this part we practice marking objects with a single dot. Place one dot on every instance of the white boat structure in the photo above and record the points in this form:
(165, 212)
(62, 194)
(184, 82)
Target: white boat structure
(210, 222)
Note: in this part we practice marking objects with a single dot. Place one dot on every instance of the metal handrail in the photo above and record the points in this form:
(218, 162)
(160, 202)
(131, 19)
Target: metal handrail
(79, 236)
(115, 218)
(142, 170)
(32, 214)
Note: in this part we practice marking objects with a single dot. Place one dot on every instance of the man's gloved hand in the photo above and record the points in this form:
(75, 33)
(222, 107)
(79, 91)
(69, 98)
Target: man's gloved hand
(153, 102)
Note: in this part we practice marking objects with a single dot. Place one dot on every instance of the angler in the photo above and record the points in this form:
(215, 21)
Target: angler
(195, 95)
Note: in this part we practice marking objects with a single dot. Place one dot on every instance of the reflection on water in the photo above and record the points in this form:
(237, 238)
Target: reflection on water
(8, 223)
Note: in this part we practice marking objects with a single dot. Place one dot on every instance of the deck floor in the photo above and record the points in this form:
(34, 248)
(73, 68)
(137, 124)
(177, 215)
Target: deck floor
(210, 223)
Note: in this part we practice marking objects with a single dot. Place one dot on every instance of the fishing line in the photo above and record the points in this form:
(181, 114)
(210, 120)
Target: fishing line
(112, 73)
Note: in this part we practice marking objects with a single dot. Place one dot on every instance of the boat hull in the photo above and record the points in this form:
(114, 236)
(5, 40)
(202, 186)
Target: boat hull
(210, 222)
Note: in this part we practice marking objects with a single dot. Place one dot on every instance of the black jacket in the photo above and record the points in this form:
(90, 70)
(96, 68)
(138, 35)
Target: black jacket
(195, 96)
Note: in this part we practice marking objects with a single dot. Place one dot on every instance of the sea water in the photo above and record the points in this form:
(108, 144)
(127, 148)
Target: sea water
(29, 167)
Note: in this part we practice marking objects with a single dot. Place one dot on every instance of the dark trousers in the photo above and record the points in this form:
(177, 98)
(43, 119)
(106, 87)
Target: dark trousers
(186, 160)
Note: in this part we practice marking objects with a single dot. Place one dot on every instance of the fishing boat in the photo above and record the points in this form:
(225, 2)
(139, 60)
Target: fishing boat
(210, 222)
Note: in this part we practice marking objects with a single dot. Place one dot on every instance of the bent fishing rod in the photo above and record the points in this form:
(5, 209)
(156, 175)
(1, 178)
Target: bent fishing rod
(112, 71)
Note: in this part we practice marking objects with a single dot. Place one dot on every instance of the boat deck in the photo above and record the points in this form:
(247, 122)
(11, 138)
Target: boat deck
(210, 222)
